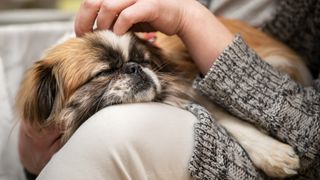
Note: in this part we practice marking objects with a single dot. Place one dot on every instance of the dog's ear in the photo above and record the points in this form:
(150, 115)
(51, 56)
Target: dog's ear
(37, 93)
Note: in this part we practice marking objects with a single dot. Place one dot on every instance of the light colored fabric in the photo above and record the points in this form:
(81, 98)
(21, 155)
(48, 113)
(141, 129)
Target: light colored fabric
(254, 12)
(20, 46)
(9, 163)
(136, 141)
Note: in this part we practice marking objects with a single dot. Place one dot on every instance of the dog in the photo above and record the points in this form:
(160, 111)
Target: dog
(79, 76)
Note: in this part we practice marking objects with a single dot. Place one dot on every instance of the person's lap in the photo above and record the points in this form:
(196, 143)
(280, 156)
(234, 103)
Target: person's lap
(140, 141)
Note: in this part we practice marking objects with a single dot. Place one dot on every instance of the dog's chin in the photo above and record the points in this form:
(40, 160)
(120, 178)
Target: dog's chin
(144, 87)
(143, 94)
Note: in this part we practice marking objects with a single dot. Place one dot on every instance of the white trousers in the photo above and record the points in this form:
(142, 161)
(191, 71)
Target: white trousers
(137, 141)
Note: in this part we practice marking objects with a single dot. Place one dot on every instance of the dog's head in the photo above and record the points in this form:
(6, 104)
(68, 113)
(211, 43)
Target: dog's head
(80, 76)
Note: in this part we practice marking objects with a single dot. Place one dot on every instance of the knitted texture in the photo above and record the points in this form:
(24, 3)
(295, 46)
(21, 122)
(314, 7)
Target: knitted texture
(297, 23)
(252, 90)
(216, 154)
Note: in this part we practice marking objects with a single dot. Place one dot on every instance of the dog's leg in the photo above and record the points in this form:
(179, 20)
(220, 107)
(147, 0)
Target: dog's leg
(276, 159)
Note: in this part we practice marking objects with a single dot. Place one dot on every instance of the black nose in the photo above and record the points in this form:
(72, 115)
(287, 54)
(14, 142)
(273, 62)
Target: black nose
(132, 68)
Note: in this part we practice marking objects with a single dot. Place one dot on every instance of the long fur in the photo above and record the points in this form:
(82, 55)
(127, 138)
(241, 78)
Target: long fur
(80, 76)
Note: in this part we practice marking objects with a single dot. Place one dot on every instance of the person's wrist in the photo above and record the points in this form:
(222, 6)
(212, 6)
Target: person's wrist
(187, 19)
(204, 36)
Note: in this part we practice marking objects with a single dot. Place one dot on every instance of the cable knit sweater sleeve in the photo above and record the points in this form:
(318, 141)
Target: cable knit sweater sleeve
(216, 154)
(251, 89)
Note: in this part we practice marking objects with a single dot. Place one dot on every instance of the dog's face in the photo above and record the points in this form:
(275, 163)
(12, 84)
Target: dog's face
(109, 69)
(80, 76)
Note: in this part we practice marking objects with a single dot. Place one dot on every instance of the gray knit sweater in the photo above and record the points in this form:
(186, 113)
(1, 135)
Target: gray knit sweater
(252, 90)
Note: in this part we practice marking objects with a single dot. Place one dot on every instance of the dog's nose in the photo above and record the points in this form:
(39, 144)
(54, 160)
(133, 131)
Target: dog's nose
(132, 68)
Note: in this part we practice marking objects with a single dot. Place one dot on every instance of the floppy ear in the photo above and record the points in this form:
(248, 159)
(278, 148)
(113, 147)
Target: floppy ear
(37, 94)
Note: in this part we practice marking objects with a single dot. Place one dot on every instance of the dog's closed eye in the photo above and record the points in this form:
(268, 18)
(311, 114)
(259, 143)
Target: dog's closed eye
(105, 72)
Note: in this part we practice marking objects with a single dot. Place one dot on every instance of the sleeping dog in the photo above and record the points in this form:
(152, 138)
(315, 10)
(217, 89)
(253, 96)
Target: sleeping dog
(79, 76)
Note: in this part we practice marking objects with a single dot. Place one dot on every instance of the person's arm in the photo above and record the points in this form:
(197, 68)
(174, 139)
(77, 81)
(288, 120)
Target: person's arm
(216, 154)
(297, 24)
(251, 89)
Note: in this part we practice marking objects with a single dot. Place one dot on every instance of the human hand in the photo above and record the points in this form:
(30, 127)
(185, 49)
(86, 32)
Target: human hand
(36, 146)
(166, 16)
(203, 34)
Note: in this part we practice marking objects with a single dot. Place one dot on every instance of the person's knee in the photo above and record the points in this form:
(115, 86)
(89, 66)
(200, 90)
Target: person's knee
(143, 141)
(144, 130)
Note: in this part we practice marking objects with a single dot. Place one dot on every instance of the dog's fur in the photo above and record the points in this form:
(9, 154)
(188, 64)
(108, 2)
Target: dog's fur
(80, 76)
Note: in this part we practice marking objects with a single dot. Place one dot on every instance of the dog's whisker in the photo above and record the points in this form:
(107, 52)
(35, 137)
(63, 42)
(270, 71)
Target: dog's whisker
(159, 68)
(98, 105)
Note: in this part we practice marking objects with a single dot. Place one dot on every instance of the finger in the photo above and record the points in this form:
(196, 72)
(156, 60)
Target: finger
(86, 16)
(109, 11)
(134, 14)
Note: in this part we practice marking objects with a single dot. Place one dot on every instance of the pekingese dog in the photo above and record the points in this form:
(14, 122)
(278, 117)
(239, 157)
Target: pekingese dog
(80, 76)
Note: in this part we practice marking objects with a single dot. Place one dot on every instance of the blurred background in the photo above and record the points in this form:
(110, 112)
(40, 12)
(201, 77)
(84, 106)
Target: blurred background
(70, 5)
(31, 11)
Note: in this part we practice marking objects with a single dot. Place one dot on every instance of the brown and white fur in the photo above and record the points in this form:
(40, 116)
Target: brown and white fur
(80, 76)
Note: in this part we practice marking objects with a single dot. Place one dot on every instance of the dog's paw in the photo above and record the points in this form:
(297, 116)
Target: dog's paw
(278, 160)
